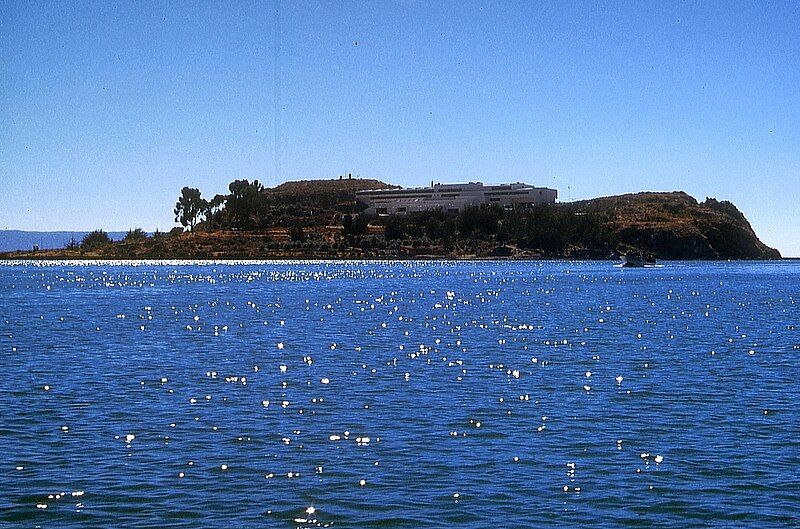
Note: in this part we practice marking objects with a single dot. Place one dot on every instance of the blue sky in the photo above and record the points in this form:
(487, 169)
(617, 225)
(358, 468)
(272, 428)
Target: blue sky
(108, 109)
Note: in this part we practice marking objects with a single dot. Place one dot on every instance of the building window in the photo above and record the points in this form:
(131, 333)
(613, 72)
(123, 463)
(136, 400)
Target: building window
(452, 210)
(381, 211)
(401, 210)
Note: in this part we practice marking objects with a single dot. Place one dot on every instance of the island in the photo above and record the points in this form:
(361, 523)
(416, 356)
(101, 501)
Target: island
(325, 219)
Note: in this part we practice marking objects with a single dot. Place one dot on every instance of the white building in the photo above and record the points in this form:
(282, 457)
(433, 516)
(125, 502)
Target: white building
(452, 198)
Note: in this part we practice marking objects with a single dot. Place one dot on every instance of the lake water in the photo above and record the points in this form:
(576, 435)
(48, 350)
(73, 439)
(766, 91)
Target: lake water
(402, 394)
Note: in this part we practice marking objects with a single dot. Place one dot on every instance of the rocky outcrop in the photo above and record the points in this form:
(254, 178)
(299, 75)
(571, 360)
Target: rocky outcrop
(675, 226)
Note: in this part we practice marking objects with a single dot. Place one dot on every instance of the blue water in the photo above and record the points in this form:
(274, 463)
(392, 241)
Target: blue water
(404, 394)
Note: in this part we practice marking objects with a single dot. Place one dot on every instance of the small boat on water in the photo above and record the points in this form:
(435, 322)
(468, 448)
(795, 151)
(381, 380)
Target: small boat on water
(637, 260)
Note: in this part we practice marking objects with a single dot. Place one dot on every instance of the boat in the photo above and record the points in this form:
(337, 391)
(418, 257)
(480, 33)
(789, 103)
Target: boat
(637, 260)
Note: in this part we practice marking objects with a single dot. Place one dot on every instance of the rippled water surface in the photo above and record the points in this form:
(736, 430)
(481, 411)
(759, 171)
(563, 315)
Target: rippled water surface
(404, 394)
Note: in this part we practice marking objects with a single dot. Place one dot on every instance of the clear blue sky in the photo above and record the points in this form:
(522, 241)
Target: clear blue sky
(107, 110)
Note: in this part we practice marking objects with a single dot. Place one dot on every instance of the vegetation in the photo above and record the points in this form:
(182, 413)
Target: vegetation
(95, 240)
(135, 235)
(321, 219)
(244, 204)
(189, 206)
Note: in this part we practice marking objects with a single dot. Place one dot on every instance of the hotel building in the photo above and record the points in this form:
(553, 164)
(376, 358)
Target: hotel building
(452, 198)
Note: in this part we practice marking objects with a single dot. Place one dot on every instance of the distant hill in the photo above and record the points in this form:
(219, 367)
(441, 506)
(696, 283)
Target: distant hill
(12, 240)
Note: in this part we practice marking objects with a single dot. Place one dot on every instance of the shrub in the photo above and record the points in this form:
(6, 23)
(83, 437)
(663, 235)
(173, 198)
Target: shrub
(135, 235)
(96, 239)
(297, 234)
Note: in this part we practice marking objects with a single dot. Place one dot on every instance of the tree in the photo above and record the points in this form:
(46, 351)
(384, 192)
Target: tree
(354, 225)
(243, 202)
(395, 228)
(189, 206)
(297, 234)
(135, 235)
(96, 239)
(503, 235)
(476, 220)
(213, 211)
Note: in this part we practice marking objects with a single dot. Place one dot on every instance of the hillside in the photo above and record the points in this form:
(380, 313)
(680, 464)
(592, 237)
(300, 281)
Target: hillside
(326, 188)
(320, 219)
(307, 203)
(316, 202)
(675, 226)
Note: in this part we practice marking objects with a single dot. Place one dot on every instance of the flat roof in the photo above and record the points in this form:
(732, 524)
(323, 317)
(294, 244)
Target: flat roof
(428, 189)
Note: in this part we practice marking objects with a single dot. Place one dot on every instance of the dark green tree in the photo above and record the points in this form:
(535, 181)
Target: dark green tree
(135, 235)
(189, 206)
(395, 228)
(354, 225)
(213, 211)
(95, 240)
(476, 220)
(297, 233)
(243, 202)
